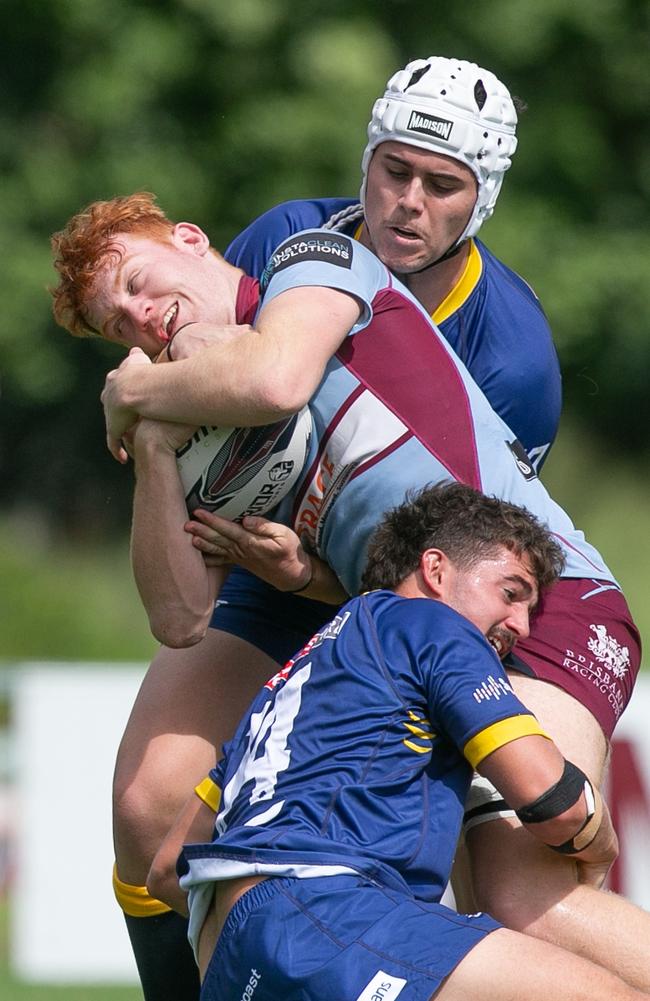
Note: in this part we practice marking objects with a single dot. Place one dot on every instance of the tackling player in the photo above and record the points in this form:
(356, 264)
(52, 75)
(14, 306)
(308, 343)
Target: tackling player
(343, 788)
(440, 141)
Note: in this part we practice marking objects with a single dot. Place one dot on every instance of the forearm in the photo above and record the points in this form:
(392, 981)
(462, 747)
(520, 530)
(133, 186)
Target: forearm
(229, 384)
(322, 584)
(176, 588)
(555, 801)
(258, 377)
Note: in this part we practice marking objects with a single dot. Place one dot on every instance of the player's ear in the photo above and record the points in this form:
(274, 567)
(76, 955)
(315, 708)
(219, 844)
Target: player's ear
(434, 567)
(189, 237)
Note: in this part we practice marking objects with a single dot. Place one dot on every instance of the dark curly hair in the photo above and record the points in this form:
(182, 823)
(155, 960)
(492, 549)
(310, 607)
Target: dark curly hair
(467, 526)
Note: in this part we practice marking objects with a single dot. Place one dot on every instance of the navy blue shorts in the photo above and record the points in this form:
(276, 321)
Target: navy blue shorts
(337, 937)
(277, 623)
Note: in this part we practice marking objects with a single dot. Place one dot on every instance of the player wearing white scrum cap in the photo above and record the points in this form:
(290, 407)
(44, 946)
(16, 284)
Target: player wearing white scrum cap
(440, 140)
(456, 108)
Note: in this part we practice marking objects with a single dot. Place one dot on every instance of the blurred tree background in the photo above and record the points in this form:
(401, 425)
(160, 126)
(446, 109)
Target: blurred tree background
(224, 107)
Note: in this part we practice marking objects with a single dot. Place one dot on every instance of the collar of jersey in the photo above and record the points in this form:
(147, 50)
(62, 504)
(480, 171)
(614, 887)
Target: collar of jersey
(463, 287)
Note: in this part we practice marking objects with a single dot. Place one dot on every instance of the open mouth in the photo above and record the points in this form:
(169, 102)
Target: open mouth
(405, 234)
(500, 644)
(169, 321)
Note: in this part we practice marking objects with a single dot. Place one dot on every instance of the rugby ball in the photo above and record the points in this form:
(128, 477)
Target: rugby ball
(240, 471)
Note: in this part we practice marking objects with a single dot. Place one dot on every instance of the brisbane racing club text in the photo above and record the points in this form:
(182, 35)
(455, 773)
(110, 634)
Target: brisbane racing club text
(317, 246)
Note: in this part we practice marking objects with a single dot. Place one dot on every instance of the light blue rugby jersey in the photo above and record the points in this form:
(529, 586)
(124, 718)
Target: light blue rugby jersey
(396, 409)
(357, 756)
(492, 318)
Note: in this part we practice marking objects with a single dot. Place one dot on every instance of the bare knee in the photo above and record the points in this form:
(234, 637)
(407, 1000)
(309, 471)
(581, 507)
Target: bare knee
(138, 826)
(189, 704)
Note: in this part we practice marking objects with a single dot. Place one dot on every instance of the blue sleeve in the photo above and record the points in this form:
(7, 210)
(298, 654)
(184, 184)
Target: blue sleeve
(466, 688)
(320, 258)
(254, 245)
(502, 335)
(216, 774)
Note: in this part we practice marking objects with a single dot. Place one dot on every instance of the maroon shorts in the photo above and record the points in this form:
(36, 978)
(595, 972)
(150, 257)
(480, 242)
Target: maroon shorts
(583, 640)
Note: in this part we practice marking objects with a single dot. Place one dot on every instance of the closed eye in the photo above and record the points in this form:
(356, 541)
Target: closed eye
(113, 329)
(131, 286)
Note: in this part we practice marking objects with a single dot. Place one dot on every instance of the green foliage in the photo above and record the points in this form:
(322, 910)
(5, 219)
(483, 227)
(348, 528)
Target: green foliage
(225, 108)
(67, 603)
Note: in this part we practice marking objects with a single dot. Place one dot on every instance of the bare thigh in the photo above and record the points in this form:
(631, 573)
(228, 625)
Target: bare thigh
(189, 703)
(567, 721)
(507, 966)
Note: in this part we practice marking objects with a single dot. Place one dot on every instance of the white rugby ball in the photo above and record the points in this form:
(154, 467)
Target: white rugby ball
(240, 471)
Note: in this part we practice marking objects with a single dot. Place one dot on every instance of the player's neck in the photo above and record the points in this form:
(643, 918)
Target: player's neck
(431, 287)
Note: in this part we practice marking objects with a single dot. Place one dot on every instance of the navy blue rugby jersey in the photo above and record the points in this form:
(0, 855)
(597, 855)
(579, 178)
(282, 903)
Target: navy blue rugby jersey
(357, 756)
(492, 319)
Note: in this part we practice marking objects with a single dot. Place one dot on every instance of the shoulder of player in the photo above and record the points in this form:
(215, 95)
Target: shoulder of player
(343, 263)
(508, 282)
(422, 618)
(286, 218)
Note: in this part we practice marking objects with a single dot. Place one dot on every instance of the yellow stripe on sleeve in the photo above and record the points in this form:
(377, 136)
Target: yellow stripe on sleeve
(210, 793)
(135, 900)
(501, 733)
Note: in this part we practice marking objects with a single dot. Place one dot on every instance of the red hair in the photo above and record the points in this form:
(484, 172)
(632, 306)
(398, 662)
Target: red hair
(81, 248)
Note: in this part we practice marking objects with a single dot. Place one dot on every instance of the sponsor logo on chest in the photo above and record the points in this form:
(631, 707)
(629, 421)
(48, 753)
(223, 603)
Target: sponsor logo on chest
(359, 434)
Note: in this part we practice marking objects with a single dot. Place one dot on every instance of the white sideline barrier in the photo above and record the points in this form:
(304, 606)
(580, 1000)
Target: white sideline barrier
(69, 719)
(66, 925)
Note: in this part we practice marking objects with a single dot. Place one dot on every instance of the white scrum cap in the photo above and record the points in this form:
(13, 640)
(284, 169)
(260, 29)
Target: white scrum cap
(453, 107)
